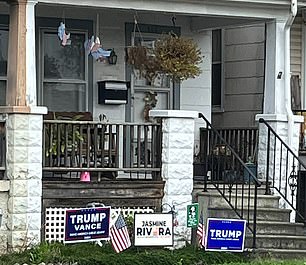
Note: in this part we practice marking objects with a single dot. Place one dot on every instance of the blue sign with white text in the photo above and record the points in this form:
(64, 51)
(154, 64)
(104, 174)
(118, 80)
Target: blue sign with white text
(86, 224)
(225, 235)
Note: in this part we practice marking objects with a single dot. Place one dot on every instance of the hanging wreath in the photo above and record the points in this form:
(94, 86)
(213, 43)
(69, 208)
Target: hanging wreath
(178, 57)
(143, 59)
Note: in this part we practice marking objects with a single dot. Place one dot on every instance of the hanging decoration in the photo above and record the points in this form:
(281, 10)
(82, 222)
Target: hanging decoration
(150, 100)
(178, 57)
(175, 56)
(63, 36)
(93, 46)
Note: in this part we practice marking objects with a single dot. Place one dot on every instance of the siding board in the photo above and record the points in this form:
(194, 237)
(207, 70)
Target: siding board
(296, 46)
(249, 34)
(240, 103)
(250, 51)
(244, 69)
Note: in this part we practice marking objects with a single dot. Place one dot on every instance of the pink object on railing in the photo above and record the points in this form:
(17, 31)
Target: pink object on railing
(85, 176)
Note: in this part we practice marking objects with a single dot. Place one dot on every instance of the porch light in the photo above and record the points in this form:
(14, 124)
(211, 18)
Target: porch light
(112, 59)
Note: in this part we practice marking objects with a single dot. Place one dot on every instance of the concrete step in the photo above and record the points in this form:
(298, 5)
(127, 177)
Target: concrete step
(263, 214)
(199, 186)
(279, 228)
(263, 201)
(277, 242)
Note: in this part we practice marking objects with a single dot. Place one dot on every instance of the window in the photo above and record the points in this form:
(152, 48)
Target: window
(64, 76)
(3, 64)
(217, 69)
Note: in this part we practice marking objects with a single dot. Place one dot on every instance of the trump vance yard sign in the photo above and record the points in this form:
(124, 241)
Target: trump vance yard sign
(87, 224)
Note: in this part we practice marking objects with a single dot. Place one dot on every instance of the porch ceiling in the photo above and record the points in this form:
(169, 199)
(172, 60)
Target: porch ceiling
(257, 9)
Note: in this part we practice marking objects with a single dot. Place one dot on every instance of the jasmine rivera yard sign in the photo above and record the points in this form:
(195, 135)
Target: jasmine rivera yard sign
(153, 229)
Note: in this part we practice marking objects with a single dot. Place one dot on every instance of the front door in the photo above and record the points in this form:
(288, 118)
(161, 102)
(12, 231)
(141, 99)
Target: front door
(144, 94)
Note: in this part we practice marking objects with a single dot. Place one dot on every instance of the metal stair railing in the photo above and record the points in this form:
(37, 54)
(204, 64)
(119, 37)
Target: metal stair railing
(233, 179)
(283, 172)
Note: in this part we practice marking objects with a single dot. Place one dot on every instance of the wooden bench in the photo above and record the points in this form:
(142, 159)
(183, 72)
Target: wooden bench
(68, 115)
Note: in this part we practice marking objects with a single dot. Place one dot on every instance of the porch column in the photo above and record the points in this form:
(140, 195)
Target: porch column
(277, 100)
(21, 72)
(23, 130)
(177, 165)
(274, 95)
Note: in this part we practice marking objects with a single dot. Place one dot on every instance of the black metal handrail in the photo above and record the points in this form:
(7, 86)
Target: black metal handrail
(235, 181)
(283, 171)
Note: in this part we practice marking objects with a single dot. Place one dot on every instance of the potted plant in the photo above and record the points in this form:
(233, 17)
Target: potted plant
(61, 137)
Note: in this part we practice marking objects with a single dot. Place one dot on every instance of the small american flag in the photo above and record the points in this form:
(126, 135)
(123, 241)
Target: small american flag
(201, 231)
(119, 235)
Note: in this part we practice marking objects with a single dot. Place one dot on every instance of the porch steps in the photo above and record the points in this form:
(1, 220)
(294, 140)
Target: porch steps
(263, 201)
(270, 214)
(276, 236)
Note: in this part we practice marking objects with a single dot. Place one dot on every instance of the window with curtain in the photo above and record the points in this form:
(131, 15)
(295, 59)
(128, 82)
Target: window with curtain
(64, 72)
(216, 71)
(3, 63)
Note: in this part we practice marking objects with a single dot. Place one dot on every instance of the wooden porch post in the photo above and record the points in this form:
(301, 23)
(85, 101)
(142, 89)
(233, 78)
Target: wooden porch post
(21, 72)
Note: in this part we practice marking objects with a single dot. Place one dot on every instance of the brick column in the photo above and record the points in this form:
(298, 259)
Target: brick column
(177, 165)
(279, 123)
(24, 170)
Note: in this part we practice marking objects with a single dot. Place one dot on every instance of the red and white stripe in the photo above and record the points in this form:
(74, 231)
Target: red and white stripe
(120, 238)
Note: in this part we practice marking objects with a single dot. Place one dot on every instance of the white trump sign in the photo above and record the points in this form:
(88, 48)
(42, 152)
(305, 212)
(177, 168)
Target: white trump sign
(153, 229)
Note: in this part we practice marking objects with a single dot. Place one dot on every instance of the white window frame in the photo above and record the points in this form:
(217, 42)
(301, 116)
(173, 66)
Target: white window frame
(42, 80)
(4, 78)
(220, 108)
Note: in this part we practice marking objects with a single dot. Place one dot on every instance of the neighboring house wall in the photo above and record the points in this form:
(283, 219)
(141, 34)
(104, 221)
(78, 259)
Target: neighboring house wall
(243, 76)
(296, 65)
(296, 46)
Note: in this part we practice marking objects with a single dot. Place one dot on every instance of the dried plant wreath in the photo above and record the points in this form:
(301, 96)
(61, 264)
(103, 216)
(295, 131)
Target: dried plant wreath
(143, 59)
(178, 57)
(175, 56)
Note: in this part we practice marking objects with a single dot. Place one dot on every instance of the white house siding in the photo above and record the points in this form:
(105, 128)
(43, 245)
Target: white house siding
(196, 93)
(243, 76)
(296, 46)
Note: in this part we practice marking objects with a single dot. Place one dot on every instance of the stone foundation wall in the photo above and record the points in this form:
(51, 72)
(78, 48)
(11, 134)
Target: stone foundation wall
(4, 194)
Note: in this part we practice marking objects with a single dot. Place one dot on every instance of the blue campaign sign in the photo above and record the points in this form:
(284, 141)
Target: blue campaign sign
(86, 224)
(225, 235)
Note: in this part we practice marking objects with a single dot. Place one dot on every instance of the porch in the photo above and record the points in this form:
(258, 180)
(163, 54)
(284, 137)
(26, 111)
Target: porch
(125, 151)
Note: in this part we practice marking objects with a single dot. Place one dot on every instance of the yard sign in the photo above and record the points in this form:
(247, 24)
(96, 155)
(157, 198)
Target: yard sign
(87, 224)
(192, 215)
(153, 229)
(225, 235)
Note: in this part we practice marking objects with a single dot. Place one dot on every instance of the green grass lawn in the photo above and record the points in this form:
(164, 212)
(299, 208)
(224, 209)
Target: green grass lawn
(91, 254)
